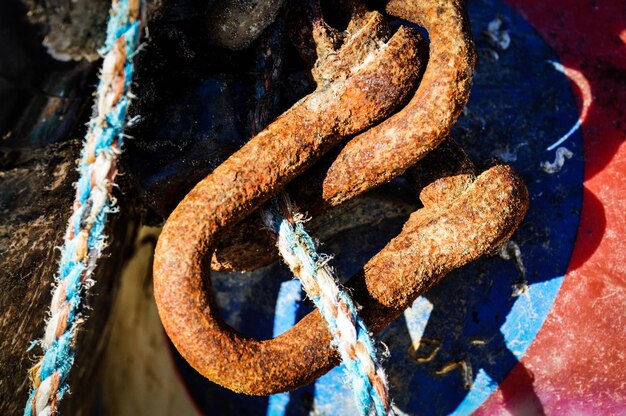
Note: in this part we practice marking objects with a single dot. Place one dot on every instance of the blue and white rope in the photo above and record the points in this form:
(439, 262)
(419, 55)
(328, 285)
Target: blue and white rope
(351, 337)
(84, 238)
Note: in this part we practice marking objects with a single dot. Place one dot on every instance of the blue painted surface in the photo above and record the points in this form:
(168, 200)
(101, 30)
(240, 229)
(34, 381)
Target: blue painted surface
(519, 106)
(289, 299)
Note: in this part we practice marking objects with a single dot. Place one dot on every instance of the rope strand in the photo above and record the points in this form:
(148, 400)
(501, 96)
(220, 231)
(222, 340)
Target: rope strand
(351, 336)
(84, 238)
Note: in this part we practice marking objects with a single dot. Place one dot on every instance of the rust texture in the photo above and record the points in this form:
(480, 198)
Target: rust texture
(408, 135)
(428, 118)
(464, 215)
(244, 247)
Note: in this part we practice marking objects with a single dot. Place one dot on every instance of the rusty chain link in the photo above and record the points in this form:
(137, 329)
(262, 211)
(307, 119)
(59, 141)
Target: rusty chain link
(362, 75)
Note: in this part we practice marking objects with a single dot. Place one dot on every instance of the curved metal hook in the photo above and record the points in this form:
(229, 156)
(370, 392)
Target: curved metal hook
(470, 217)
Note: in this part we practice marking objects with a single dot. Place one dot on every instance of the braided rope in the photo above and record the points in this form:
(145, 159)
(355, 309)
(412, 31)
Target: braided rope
(84, 238)
(353, 340)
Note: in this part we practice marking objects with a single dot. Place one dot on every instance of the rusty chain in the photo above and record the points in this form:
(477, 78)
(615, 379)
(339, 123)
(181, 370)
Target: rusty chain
(362, 75)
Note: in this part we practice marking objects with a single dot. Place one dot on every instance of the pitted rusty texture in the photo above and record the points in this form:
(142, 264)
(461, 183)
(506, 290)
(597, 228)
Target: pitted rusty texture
(387, 150)
(464, 216)
(333, 56)
(427, 119)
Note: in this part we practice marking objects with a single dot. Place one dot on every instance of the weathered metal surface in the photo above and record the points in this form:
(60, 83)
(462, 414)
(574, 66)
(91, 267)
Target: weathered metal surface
(575, 364)
(434, 241)
(519, 105)
(452, 349)
(408, 135)
(342, 105)
(427, 119)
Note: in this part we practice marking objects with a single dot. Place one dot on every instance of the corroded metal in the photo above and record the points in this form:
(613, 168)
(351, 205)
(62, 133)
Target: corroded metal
(387, 150)
(464, 216)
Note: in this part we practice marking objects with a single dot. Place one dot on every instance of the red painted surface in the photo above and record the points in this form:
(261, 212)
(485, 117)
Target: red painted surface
(577, 363)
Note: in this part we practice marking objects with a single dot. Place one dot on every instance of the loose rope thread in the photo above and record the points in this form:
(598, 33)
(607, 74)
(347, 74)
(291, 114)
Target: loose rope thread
(562, 153)
(85, 239)
(351, 336)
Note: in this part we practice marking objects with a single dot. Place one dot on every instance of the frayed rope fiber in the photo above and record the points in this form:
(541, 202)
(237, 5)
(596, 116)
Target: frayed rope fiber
(84, 238)
(351, 337)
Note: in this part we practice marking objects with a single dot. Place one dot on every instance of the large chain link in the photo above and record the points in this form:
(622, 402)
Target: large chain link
(362, 74)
